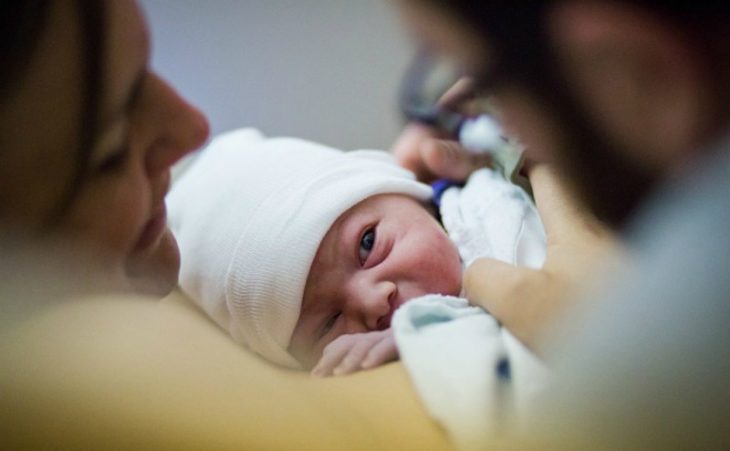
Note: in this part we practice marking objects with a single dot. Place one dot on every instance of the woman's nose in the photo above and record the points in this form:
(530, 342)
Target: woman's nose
(179, 127)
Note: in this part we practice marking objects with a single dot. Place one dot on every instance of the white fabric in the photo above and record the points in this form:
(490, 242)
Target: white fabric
(453, 352)
(249, 216)
(490, 217)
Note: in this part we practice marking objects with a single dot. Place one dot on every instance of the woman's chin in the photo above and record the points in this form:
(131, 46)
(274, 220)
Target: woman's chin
(156, 272)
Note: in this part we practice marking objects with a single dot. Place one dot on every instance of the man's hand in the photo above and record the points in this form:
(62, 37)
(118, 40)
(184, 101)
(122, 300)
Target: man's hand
(579, 248)
(430, 155)
(350, 353)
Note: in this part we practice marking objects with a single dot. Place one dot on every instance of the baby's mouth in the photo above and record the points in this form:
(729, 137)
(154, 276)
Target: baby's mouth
(385, 321)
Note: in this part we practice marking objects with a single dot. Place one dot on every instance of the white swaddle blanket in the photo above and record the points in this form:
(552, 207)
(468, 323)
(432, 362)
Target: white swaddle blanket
(473, 376)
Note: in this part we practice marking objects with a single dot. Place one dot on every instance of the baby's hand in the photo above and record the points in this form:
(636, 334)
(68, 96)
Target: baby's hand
(349, 353)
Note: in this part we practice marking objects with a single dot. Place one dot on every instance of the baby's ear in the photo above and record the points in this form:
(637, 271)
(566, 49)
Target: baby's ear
(371, 154)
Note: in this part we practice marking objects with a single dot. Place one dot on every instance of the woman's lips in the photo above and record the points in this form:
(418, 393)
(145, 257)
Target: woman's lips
(152, 230)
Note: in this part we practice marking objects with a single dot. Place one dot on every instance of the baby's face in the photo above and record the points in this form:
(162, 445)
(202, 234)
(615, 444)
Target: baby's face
(381, 253)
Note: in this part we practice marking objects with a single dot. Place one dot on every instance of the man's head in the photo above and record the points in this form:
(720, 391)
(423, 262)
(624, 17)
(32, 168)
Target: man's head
(619, 93)
(251, 213)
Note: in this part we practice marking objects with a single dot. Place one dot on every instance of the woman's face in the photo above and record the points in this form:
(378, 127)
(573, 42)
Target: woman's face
(118, 216)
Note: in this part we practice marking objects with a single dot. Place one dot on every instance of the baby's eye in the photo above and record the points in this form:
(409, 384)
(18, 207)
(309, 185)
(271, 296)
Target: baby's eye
(329, 324)
(367, 243)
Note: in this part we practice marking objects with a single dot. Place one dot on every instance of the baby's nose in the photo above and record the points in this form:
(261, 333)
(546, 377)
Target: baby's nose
(375, 304)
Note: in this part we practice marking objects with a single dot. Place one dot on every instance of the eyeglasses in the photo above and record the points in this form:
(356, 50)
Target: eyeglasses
(436, 93)
(516, 35)
(423, 87)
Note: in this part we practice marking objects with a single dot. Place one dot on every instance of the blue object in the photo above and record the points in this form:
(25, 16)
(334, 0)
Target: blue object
(504, 371)
(439, 186)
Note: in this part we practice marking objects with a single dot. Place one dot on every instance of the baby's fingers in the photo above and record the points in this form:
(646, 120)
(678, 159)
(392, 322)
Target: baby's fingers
(384, 351)
(353, 360)
(332, 356)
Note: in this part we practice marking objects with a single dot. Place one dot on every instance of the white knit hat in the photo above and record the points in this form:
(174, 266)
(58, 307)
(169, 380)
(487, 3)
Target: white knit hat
(249, 216)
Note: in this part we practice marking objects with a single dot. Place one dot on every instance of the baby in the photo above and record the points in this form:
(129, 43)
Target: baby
(303, 253)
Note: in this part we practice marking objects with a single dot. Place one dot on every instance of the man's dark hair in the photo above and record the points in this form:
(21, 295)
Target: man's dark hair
(521, 53)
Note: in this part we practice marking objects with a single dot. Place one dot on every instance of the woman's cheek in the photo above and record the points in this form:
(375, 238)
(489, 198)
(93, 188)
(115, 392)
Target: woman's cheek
(112, 216)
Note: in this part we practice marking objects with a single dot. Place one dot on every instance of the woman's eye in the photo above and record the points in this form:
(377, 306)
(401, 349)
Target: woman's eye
(367, 243)
(114, 161)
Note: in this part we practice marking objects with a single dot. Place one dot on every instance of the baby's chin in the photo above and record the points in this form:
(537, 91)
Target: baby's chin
(156, 272)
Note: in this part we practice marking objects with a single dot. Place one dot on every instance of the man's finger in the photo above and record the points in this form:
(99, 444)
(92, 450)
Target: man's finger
(562, 214)
(447, 159)
(407, 149)
(515, 296)
(494, 284)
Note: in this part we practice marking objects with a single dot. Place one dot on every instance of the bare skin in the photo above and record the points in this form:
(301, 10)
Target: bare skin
(118, 218)
(531, 300)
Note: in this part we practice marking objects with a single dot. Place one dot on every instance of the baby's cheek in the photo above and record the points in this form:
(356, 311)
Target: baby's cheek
(452, 268)
(444, 269)
(453, 278)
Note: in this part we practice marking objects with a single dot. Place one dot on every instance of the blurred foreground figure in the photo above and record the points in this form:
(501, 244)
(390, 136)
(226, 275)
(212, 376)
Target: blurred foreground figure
(630, 101)
(89, 133)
